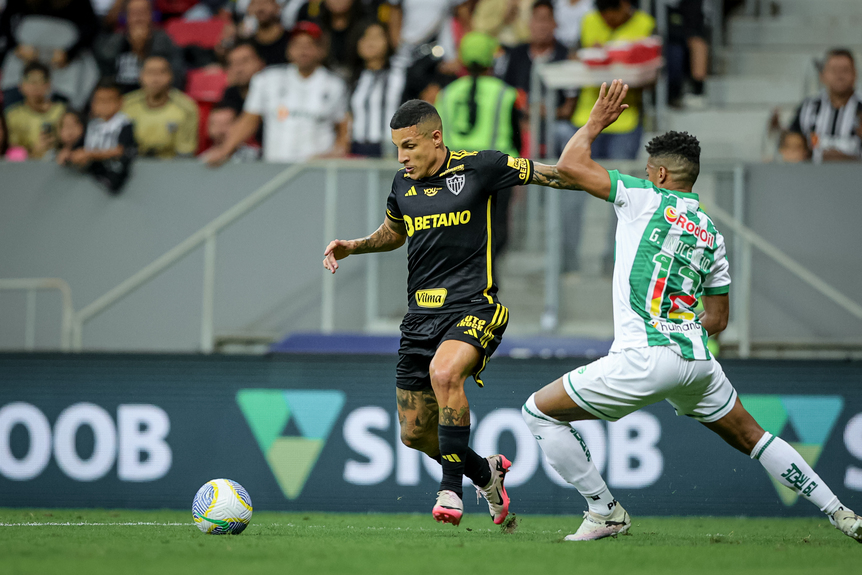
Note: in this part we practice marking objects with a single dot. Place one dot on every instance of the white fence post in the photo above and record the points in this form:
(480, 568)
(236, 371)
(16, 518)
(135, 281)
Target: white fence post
(30, 322)
(372, 271)
(330, 207)
(208, 297)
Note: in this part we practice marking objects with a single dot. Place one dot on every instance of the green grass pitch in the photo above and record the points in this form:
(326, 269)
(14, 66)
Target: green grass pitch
(95, 542)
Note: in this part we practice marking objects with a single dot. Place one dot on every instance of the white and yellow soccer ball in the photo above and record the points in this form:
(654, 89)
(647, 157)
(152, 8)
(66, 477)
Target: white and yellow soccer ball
(222, 507)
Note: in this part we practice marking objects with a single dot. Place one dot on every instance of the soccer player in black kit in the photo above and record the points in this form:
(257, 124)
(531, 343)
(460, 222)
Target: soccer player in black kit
(442, 202)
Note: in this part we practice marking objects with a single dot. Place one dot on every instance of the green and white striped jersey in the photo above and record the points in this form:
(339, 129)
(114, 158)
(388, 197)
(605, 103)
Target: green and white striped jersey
(668, 254)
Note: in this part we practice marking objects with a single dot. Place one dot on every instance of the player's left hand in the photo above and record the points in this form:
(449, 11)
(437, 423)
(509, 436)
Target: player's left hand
(610, 105)
(336, 250)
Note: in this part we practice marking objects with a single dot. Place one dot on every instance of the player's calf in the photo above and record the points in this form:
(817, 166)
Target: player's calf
(569, 456)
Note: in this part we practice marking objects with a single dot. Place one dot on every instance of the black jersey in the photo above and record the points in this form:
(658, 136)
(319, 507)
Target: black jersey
(448, 216)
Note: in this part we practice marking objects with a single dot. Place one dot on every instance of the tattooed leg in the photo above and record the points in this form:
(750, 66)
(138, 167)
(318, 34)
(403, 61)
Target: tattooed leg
(452, 364)
(418, 414)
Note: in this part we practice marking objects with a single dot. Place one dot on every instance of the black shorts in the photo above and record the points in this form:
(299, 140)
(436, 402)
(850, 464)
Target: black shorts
(421, 335)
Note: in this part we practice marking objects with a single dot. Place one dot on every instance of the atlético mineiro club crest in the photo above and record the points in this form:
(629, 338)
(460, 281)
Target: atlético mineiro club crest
(455, 183)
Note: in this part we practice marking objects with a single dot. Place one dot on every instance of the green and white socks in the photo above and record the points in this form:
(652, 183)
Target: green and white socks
(568, 454)
(785, 464)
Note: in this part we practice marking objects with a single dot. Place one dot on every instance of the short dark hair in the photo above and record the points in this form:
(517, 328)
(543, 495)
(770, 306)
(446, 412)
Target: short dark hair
(158, 57)
(221, 107)
(108, 83)
(82, 119)
(247, 44)
(413, 113)
(680, 147)
(602, 5)
(544, 4)
(839, 53)
(36, 66)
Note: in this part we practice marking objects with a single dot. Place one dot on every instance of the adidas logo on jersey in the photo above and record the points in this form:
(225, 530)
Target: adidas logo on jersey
(411, 191)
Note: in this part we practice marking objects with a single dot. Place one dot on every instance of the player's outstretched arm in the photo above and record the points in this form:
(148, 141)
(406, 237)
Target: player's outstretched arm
(576, 170)
(716, 308)
(391, 235)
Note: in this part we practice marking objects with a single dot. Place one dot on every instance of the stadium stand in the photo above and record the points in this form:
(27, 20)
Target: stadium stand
(765, 60)
(768, 62)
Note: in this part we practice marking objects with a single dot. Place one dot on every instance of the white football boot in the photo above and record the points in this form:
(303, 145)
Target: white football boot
(495, 492)
(449, 507)
(597, 526)
(847, 523)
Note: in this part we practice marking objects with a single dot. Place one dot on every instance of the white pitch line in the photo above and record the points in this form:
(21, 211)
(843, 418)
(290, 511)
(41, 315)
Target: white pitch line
(70, 524)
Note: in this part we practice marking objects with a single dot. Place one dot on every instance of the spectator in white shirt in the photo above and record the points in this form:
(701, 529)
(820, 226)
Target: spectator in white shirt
(302, 105)
(569, 14)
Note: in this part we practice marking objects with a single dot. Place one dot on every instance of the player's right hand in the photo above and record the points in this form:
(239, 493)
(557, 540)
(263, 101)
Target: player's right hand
(336, 250)
(609, 105)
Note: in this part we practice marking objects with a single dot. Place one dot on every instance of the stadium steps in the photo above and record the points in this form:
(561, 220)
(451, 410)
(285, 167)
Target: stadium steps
(784, 62)
(726, 134)
(816, 7)
(585, 301)
(819, 32)
(745, 90)
(768, 64)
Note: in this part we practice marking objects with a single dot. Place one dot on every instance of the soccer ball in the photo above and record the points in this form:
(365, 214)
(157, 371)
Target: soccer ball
(222, 507)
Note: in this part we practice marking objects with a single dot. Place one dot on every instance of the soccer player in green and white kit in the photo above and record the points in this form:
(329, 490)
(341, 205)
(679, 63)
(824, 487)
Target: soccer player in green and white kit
(668, 255)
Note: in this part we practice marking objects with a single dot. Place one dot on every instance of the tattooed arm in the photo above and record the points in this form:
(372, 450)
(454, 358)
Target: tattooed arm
(576, 170)
(391, 235)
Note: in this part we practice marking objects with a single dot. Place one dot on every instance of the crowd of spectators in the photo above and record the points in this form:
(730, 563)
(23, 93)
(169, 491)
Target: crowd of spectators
(288, 80)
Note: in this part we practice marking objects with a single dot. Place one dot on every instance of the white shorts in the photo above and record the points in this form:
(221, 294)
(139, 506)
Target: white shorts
(625, 381)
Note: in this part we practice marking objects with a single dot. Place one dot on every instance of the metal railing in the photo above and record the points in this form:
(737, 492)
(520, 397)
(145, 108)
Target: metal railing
(32, 285)
(746, 241)
(207, 236)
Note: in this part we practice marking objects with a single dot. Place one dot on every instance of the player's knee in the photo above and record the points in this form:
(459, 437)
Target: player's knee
(445, 378)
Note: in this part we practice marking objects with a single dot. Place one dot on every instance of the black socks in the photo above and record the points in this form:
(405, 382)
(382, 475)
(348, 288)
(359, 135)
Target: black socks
(458, 459)
(454, 440)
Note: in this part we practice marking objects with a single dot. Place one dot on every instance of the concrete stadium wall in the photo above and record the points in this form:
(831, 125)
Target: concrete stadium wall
(56, 223)
(811, 213)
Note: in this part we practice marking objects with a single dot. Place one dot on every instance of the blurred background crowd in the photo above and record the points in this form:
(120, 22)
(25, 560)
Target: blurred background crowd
(94, 83)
